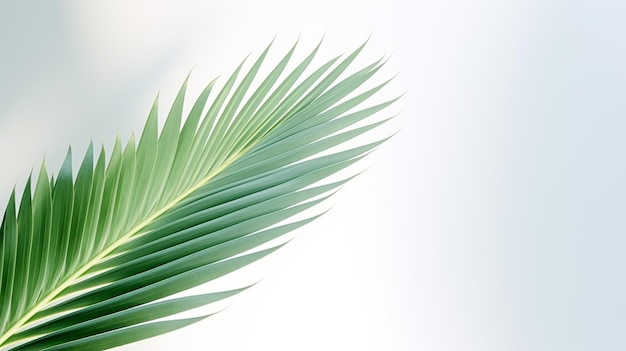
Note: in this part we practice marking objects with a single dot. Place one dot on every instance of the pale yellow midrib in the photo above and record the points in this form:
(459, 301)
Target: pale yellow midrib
(98, 258)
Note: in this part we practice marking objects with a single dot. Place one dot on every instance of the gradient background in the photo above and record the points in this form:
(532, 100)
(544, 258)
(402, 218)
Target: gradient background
(493, 221)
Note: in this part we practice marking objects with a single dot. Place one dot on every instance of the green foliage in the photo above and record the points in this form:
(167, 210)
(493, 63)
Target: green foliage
(86, 263)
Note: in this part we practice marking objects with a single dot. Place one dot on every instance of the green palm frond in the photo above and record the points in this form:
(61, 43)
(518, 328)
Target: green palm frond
(88, 263)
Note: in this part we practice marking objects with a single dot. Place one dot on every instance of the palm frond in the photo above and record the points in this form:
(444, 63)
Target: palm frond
(88, 263)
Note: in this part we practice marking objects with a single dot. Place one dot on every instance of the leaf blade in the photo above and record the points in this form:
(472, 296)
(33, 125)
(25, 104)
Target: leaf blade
(185, 206)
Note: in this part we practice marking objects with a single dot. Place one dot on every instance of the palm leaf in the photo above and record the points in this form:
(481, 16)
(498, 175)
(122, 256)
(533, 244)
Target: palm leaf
(89, 263)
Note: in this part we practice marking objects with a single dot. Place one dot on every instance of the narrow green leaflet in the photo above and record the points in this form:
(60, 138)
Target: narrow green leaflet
(91, 262)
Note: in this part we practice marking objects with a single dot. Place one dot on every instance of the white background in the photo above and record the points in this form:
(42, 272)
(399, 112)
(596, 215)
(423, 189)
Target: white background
(493, 221)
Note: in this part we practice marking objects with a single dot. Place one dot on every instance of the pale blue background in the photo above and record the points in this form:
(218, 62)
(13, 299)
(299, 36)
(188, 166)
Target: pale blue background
(493, 221)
